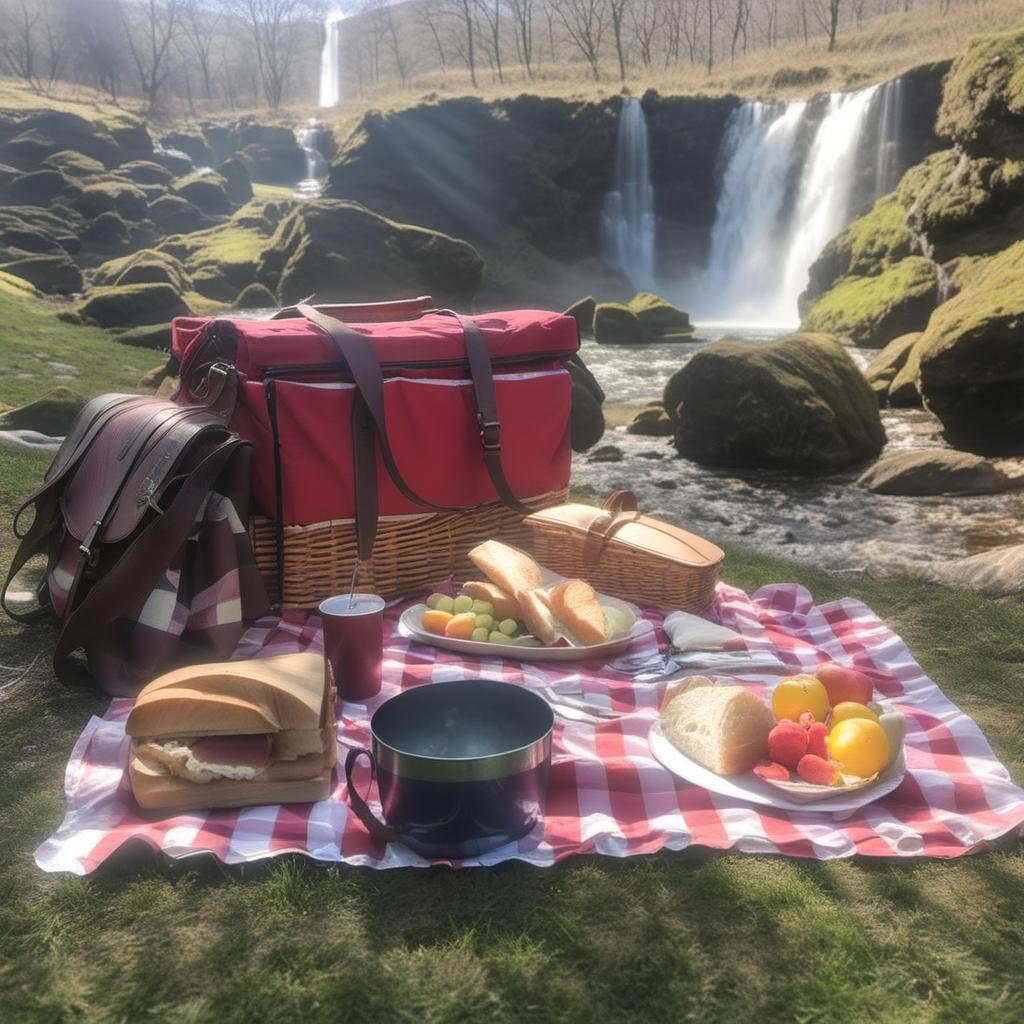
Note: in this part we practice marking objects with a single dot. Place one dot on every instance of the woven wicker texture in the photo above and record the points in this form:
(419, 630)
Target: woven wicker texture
(411, 552)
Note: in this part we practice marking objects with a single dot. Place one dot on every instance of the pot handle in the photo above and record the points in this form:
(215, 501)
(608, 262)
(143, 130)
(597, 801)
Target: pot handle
(375, 827)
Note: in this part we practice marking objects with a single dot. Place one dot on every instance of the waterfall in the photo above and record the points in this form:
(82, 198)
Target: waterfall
(330, 61)
(627, 217)
(789, 184)
(310, 139)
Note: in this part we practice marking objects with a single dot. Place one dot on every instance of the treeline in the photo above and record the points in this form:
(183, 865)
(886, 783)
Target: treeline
(213, 54)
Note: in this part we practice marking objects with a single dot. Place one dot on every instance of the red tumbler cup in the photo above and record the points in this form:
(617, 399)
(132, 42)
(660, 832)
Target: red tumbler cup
(354, 643)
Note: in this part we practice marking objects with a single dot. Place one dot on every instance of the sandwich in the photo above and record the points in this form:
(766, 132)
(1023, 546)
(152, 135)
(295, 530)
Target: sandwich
(234, 734)
(723, 728)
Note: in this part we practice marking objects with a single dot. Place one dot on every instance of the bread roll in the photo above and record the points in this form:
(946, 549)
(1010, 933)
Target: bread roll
(505, 605)
(511, 569)
(723, 728)
(574, 603)
(537, 615)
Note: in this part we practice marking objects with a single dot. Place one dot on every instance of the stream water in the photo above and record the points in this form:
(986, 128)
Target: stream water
(829, 521)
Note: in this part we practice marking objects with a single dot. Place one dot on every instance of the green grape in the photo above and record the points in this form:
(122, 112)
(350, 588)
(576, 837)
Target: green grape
(435, 599)
(483, 608)
(508, 626)
(446, 604)
(498, 638)
(481, 634)
(463, 603)
(485, 622)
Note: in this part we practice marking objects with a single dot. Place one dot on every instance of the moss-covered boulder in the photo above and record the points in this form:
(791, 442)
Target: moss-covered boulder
(959, 205)
(903, 391)
(283, 163)
(45, 132)
(871, 311)
(53, 273)
(935, 471)
(659, 318)
(582, 312)
(207, 191)
(34, 229)
(147, 266)
(193, 144)
(176, 215)
(37, 188)
(343, 252)
(237, 184)
(983, 98)
(52, 414)
(882, 370)
(145, 172)
(106, 233)
(152, 336)
(616, 324)
(111, 195)
(972, 359)
(75, 165)
(133, 305)
(255, 296)
(652, 422)
(798, 404)
(869, 245)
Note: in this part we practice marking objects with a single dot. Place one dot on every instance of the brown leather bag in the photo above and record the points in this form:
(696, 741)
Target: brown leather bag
(142, 518)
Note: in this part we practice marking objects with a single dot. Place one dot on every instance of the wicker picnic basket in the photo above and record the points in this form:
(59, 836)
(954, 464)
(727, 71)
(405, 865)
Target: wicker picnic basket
(627, 555)
(411, 553)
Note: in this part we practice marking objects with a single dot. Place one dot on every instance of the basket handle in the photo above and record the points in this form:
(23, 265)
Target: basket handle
(620, 507)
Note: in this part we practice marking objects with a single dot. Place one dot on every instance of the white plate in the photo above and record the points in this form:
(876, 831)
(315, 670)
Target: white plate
(409, 626)
(753, 790)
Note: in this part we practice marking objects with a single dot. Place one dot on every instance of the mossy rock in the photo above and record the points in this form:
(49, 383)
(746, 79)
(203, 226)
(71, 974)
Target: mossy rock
(903, 391)
(972, 360)
(145, 172)
(869, 245)
(616, 324)
(963, 205)
(652, 422)
(798, 404)
(132, 305)
(658, 316)
(37, 188)
(237, 185)
(106, 233)
(283, 164)
(178, 164)
(151, 336)
(176, 214)
(934, 471)
(255, 296)
(343, 252)
(871, 311)
(884, 367)
(75, 165)
(582, 312)
(53, 273)
(146, 266)
(45, 132)
(34, 229)
(52, 414)
(983, 97)
(207, 191)
(112, 195)
(192, 144)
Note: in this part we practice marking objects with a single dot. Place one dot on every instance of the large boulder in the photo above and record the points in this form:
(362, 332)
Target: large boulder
(983, 98)
(798, 404)
(133, 305)
(871, 311)
(343, 252)
(75, 165)
(37, 188)
(152, 336)
(255, 296)
(207, 191)
(106, 233)
(237, 185)
(582, 311)
(34, 229)
(54, 273)
(995, 573)
(935, 471)
(190, 143)
(972, 359)
(884, 367)
(147, 266)
(111, 195)
(145, 172)
(45, 132)
(659, 318)
(52, 414)
(176, 215)
(652, 422)
(616, 324)
(283, 163)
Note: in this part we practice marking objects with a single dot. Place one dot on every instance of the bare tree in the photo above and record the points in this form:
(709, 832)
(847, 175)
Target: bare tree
(465, 12)
(617, 10)
(430, 14)
(21, 33)
(149, 29)
(714, 10)
(826, 13)
(491, 11)
(645, 20)
(273, 26)
(741, 20)
(93, 28)
(200, 25)
(522, 19)
(584, 22)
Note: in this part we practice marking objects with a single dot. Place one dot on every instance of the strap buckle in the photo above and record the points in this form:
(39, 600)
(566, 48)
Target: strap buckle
(89, 556)
(490, 434)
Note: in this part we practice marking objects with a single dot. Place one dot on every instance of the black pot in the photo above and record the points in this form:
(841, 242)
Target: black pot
(462, 767)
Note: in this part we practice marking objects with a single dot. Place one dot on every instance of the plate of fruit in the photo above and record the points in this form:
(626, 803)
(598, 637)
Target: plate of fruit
(821, 743)
(523, 611)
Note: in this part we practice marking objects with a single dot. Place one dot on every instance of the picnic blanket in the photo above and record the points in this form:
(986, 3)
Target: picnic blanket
(607, 793)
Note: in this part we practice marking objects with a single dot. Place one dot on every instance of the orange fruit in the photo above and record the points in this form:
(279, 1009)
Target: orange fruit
(435, 621)
(461, 626)
(860, 746)
(793, 696)
(851, 709)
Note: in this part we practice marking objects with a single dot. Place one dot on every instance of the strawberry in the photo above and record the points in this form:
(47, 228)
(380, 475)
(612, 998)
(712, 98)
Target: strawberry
(817, 770)
(776, 771)
(816, 740)
(787, 743)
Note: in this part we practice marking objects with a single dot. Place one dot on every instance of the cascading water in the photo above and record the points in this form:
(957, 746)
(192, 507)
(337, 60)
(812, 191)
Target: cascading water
(781, 202)
(311, 141)
(627, 217)
(330, 61)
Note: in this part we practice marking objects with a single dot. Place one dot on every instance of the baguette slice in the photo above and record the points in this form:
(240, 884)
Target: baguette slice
(574, 603)
(723, 728)
(505, 605)
(511, 569)
(537, 615)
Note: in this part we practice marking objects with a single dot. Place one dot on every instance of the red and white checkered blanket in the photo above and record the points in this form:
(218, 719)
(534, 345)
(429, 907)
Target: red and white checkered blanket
(607, 792)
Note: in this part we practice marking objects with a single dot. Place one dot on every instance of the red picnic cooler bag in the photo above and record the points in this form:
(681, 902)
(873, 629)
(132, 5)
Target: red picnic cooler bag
(395, 440)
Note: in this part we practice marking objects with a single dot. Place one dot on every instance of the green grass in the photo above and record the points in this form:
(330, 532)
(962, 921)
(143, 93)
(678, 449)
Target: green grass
(673, 937)
(38, 351)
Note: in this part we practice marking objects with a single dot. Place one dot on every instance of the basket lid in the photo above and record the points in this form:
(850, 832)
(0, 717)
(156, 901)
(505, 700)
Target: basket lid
(630, 529)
